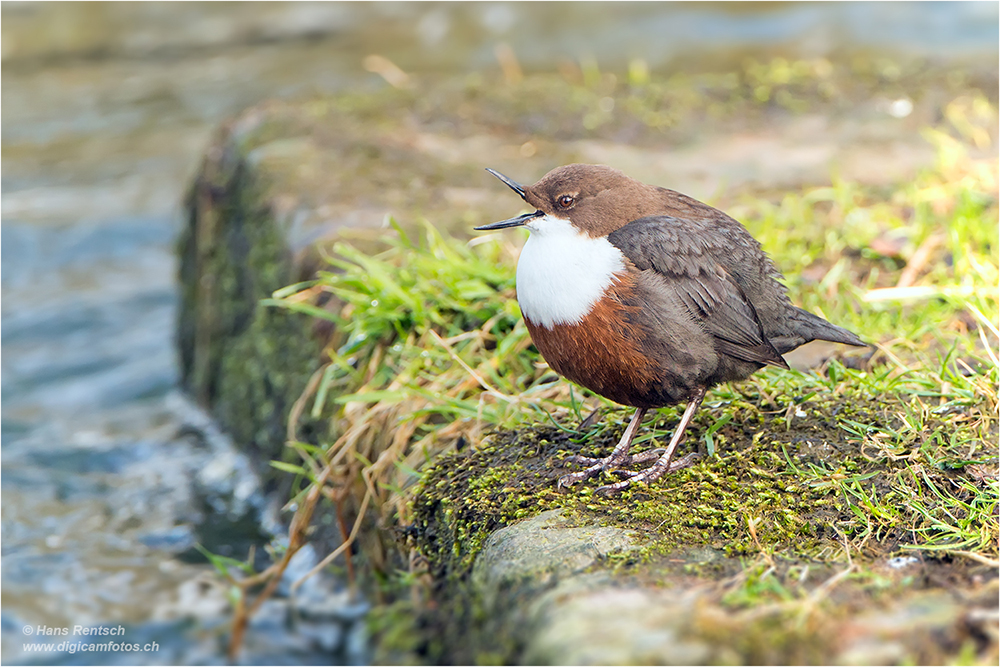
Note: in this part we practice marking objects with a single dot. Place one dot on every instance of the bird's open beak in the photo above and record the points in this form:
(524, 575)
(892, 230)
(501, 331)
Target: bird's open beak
(513, 185)
(512, 222)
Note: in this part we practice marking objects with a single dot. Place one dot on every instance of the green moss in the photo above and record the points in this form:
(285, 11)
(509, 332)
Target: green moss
(248, 362)
(695, 525)
(799, 500)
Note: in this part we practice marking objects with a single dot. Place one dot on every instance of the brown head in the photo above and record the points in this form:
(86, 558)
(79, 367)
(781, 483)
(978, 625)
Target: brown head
(595, 198)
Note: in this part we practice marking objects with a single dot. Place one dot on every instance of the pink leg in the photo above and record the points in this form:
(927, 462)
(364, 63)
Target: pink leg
(662, 466)
(641, 457)
(676, 464)
(615, 460)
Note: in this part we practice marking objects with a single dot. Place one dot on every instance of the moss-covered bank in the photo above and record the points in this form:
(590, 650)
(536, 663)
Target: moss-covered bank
(777, 518)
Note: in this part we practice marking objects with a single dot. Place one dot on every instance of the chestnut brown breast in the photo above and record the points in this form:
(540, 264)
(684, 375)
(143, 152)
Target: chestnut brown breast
(604, 351)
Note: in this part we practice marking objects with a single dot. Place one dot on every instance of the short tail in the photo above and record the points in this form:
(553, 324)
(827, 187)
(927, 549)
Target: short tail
(803, 327)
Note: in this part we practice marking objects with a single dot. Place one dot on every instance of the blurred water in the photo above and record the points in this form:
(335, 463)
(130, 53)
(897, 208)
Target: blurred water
(108, 472)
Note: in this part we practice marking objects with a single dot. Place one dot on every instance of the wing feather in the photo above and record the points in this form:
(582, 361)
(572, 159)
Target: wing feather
(694, 271)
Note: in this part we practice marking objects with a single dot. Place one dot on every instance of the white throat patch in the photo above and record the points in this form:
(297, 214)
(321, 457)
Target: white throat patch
(562, 272)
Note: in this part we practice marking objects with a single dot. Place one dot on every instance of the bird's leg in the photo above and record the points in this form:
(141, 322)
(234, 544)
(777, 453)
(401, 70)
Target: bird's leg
(676, 464)
(662, 466)
(631, 459)
(615, 460)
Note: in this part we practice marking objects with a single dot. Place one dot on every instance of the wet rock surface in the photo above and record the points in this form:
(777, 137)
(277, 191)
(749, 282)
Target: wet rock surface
(543, 547)
(580, 614)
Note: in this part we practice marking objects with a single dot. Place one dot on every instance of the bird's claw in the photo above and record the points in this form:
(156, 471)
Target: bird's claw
(597, 466)
(648, 475)
(607, 463)
(581, 476)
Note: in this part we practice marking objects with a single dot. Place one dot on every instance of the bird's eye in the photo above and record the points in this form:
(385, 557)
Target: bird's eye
(565, 201)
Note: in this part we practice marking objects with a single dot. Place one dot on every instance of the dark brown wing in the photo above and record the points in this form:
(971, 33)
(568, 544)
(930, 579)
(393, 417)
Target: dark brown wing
(693, 268)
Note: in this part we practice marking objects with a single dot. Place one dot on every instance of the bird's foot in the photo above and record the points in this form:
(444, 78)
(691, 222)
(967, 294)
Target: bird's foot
(606, 463)
(650, 474)
(612, 463)
(618, 457)
(597, 466)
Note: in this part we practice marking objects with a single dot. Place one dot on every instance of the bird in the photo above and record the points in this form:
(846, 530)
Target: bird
(648, 298)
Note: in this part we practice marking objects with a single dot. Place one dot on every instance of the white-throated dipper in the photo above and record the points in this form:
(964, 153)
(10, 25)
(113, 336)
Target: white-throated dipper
(649, 298)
